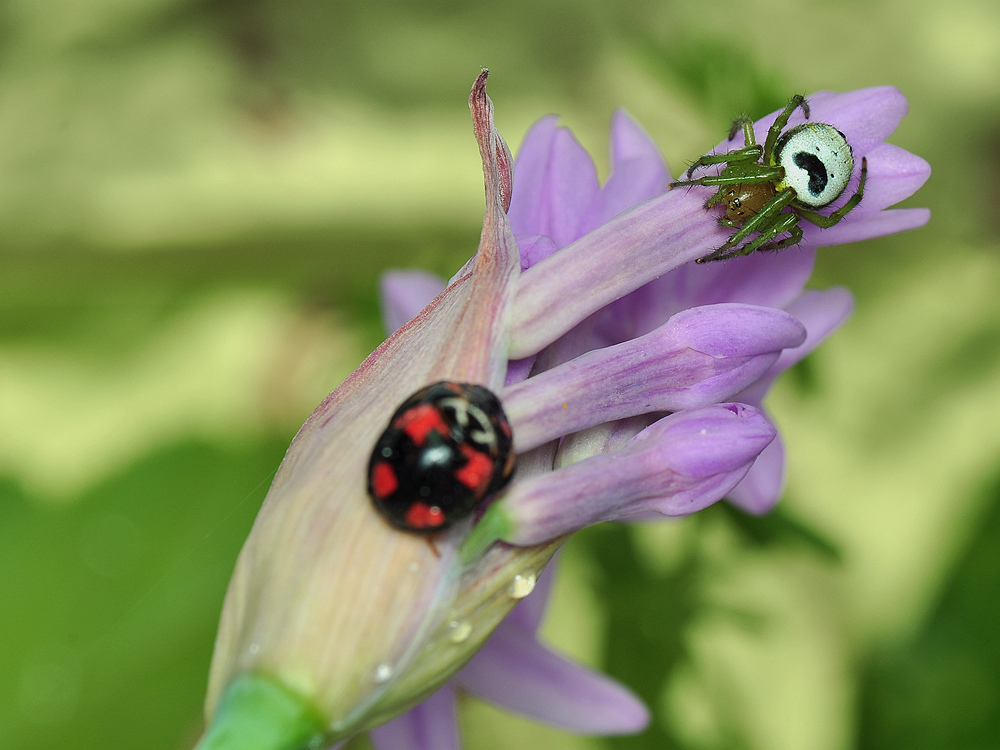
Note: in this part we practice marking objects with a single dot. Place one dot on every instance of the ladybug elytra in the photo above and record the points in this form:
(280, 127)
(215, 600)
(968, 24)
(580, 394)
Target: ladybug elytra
(447, 447)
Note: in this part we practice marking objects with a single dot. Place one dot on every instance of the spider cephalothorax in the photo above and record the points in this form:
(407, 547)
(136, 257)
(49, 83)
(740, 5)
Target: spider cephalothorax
(802, 169)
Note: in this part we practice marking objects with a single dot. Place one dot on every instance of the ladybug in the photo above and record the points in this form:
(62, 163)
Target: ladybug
(447, 447)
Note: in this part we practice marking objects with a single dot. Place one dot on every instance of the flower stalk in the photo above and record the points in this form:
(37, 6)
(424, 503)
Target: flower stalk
(633, 382)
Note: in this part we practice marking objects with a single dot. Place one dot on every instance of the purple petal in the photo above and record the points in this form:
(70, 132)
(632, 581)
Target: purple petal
(680, 464)
(523, 676)
(638, 173)
(700, 356)
(518, 370)
(554, 182)
(530, 170)
(629, 142)
(866, 116)
(764, 483)
(893, 175)
(765, 279)
(821, 312)
(533, 248)
(866, 226)
(618, 257)
(405, 293)
(431, 725)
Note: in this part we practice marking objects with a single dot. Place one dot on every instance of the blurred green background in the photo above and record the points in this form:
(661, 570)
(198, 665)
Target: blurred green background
(196, 200)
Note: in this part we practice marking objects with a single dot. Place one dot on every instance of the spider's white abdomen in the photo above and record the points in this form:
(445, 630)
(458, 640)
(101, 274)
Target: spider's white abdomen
(818, 163)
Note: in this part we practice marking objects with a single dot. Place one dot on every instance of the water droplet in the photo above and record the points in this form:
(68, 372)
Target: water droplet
(254, 648)
(522, 585)
(383, 672)
(316, 742)
(459, 630)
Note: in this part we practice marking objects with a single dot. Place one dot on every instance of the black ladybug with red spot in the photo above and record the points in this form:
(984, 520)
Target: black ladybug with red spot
(448, 447)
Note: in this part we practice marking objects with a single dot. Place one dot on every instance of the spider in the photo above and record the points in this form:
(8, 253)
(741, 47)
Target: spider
(804, 168)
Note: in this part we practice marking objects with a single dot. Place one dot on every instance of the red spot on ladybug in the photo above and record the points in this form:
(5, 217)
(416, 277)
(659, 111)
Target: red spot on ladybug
(419, 421)
(447, 448)
(476, 473)
(384, 481)
(421, 516)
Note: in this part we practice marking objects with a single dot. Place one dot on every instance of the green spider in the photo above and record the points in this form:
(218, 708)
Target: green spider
(805, 168)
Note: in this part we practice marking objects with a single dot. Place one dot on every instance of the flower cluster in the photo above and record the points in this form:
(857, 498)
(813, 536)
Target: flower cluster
(633, 381)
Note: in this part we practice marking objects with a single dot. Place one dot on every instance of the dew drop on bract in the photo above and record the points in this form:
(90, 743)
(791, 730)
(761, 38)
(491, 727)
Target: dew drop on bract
(459, 630)
(383, 672)
(522, 585)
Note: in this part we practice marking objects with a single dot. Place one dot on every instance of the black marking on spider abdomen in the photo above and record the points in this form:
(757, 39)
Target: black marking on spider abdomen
(816, 169)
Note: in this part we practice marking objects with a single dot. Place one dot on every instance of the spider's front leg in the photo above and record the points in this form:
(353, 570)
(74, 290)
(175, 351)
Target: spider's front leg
(749, 154)
(737, 174)
(781, 120)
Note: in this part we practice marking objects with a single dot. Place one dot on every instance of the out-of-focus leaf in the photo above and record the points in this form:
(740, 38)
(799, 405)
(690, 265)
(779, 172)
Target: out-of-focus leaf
(110, 603)
(943, 688)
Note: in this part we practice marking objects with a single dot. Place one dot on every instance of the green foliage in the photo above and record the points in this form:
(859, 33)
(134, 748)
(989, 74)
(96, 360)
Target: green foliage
(718, 73)
(112, 601)
(942, 687)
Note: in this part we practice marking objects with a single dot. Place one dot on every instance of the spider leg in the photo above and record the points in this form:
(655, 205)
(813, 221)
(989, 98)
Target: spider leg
(751, 154)
(794, 238)
(737, 174)
(828, 221)
(782, 119)
(785, 223)
(745, 122)
(763, 222)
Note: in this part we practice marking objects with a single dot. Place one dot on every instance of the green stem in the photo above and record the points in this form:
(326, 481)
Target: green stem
(492, 527)
(256, 713)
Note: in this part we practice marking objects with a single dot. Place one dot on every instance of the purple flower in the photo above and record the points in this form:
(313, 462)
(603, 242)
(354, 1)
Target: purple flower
(632, 379)
(556, 200)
